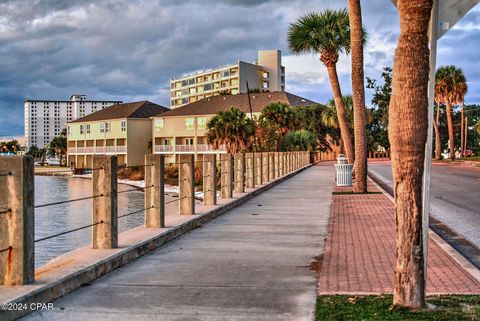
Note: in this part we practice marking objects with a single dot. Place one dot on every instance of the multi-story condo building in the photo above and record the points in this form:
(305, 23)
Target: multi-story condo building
(267, 74)
(123, 130)
(45, 119)
(182, 130)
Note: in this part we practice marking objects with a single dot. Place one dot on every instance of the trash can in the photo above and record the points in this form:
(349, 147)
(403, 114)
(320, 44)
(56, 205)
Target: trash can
(344, 174)
(342, 159)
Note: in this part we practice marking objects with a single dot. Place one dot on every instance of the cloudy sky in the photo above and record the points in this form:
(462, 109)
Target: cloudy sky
(129, 49)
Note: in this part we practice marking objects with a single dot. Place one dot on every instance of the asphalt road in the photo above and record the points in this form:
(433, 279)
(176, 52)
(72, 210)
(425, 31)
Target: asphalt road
(455, 196)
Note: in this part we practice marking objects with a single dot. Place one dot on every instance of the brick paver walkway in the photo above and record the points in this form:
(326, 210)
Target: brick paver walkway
(359, 255)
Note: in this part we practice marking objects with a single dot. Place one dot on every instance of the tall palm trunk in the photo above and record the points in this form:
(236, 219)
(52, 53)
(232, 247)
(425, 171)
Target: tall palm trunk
(450, 130)
(462, 145)
(438, 151)
(342, 117)
(408, 115)
(466, 132)
(356, 40)
(438, 142)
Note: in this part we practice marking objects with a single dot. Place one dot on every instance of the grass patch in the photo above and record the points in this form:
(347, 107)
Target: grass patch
(352, 193)
(379, 307)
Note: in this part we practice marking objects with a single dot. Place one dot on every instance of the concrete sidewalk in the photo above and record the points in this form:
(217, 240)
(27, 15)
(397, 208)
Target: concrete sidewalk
(250, 264)
(359, 256)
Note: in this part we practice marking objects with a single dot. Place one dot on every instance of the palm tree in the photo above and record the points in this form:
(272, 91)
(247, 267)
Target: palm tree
(280, 118)
(408, 126)
(300, 140)
(461, 91)
(329, 114)
(231, 128)
(436, 127)
(450, 83)
(329, 117)
(327, 34)
(357, 38)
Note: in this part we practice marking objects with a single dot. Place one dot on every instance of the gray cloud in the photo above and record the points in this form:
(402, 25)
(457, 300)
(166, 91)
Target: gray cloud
(128, 50)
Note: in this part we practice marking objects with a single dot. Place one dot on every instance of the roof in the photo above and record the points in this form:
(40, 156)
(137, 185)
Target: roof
(139, 109)
(215, 104)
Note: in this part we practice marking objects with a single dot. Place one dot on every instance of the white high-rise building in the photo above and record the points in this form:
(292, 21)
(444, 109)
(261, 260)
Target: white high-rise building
(45, 119)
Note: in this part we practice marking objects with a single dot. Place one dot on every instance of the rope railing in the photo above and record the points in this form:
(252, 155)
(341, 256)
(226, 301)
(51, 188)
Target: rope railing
(257, 169)
(68, 201)
(136, 212)
(67, 232)
(53, 171)
(175, 200)
(180, 163)
(6, 249)
(137, 189)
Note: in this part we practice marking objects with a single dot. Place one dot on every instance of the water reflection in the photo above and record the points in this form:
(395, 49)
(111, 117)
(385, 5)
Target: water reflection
(55, 219)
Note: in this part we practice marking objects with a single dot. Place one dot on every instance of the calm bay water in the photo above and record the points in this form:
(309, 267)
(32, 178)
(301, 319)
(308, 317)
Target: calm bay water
(55, 219)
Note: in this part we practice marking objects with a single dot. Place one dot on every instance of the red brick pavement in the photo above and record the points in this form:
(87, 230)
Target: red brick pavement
(359, 255)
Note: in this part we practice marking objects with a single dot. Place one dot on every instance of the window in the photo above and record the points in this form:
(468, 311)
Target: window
(202, 122)
(88, 129)
(81, 129)
(192, 91)
(184, 100)
(189, 141)
(184, 83)
(159, 124)
(69, 131)
(207, 87)
(191, 81)
(225, 73)
(107, 127)
(123, 125)
(265, 74)
(189, 124)
(265, 84)
(234, 82)
(102, 127)
(166, 142)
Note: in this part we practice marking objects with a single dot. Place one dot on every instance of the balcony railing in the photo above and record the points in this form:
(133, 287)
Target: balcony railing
(184, 148)
(209, 148)
(97, 149)
(202, 148)
(163, 148)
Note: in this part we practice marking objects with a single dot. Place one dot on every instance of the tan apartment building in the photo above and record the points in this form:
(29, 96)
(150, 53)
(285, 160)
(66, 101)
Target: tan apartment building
(266, 74)
(182, 130)
(123, 130)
